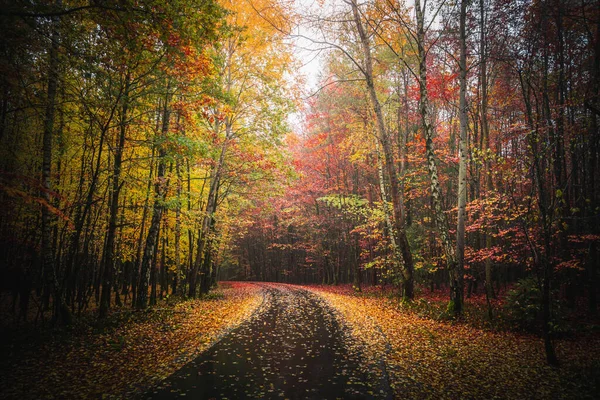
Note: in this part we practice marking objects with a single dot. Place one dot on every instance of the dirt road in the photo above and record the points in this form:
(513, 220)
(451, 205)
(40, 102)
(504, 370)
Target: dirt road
(294, 348)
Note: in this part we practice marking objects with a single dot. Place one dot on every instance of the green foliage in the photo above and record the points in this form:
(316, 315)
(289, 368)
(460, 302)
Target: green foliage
(213, 296)
(523, 308)
(450, 307)
(351, 203)
(415, 234)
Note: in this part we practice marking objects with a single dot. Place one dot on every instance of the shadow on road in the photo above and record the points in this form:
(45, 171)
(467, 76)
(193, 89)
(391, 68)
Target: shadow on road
(293, 348)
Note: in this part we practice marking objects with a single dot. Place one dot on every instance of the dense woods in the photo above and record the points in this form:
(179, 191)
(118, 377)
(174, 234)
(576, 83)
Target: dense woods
(131, 134)
(459, 150)
(147, 151)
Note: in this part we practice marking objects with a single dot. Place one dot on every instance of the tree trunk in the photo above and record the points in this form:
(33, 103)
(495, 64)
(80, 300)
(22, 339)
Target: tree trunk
(591, 266)
(485, 140)
(441, 221)
(386, 210)
(137, 268)
(406, 261)
(51, 286)
(543, 261)
(179, 273)
(211, 206)
(190, 260)
(157, 210)
(154, 269)
(462, 166)
(109, 261)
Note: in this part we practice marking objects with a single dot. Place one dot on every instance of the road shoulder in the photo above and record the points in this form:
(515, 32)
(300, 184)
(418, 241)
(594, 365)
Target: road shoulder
(136, 352)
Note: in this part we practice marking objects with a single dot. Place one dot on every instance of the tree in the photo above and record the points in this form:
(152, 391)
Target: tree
(456, 287)
(457, 276)
(51, 286)
(400, 238)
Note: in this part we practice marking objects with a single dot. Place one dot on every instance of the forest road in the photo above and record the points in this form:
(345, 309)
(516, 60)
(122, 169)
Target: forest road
(292, 348)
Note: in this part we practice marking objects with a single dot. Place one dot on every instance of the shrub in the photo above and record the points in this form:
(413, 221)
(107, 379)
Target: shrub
(523, 308)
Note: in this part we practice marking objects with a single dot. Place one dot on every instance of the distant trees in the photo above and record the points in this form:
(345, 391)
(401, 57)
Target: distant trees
(492, 106)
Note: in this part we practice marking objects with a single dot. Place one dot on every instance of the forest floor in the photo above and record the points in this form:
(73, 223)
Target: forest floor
(264, 340)
(428, 358)
(125, 355)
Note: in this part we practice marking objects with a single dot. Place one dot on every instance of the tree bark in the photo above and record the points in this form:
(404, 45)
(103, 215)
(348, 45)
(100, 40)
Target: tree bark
(456, 289)
(462, 166)
(544, 260)
(109, 259)
(157, 211)
(137, 268)
(211, 206)
(406, 261)
(51, 286)
(485, 140)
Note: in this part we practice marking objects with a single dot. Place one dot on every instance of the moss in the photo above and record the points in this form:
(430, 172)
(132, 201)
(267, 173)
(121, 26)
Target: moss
(450, 307)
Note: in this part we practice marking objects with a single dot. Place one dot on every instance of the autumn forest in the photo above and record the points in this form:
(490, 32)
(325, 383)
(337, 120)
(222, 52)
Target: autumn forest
(357, 199)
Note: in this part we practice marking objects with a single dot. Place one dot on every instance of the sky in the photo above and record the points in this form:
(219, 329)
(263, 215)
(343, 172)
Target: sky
(311, 59)
(305, 50)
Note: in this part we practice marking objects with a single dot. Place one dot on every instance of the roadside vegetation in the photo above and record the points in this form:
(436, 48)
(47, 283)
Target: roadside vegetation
(428, 355)
(123, 355)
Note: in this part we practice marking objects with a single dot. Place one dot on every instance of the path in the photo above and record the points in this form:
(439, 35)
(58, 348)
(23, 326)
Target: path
(293, 348)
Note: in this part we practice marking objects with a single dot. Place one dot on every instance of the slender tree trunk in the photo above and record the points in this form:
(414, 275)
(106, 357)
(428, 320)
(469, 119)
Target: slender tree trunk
(544, 261)
(137, 268)
(436, 193)
(386, 209)
(403, 113)
(190, 260)
(154, 268)
(157, 211)
(51, 286)
(109, 259)
(485, 140)
(49, 272)
(205, 273)
(123, 272)
(592, 167)
(178, 287)
(591, 266)
(211, 206)
(406, 261)
(462, 167)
